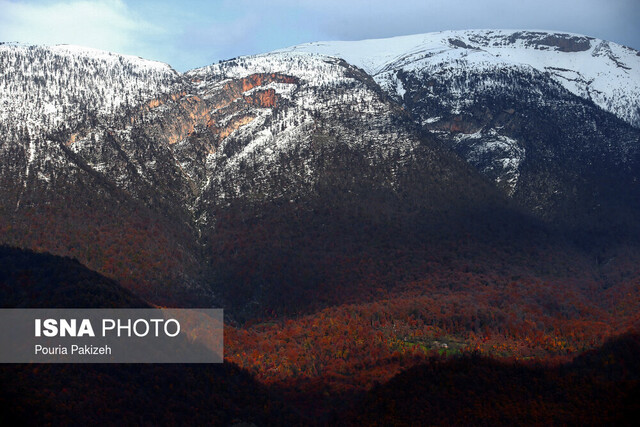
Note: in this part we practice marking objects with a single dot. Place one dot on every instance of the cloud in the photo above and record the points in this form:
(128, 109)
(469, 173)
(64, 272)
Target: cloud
(218, 37)
(229, 28)
(614, 20)
(374, 18)
(106, 24)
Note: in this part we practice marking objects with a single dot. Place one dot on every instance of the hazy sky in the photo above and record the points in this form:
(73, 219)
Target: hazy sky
(193, 33)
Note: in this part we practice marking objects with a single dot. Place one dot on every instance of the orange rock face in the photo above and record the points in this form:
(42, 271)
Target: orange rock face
(194, 112)
(263, 99)
(189, 112)
(154, 103)
(234, 90)
(261, 79)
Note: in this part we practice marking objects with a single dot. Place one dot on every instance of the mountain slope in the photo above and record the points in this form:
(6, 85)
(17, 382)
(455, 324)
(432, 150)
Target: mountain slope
(301, 155)
(43, 88)
(526, 109)
(252, 178)
(56, 201)
(333, 172)
(31, 280)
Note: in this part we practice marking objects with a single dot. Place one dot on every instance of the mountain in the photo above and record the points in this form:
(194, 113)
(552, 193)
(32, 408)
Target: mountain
(159, 194)
(52, 199)
(246, 182)
(45, 88)
(601, 71)
(33, 280)
(552, 118)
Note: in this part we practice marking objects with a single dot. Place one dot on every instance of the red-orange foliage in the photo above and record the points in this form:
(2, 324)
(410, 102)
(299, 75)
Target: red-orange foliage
(353, 346)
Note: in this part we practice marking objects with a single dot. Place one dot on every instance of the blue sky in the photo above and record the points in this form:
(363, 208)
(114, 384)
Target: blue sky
(193, 33)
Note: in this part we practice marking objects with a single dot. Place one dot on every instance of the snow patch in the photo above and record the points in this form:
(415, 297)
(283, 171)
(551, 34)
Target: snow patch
(605, 72)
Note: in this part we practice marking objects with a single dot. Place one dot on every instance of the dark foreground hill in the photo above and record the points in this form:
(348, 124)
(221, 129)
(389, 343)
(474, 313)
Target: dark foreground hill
(601, 387)
(78, 394)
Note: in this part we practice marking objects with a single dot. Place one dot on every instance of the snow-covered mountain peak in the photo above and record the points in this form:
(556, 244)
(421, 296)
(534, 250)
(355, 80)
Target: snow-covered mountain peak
(139, 62)
(313, 67)
(45, 87)
(376, 55)
(604, 72)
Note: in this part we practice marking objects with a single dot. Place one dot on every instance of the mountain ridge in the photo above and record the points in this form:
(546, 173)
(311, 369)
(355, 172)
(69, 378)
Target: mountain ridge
(494, 46)
(189, 159)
